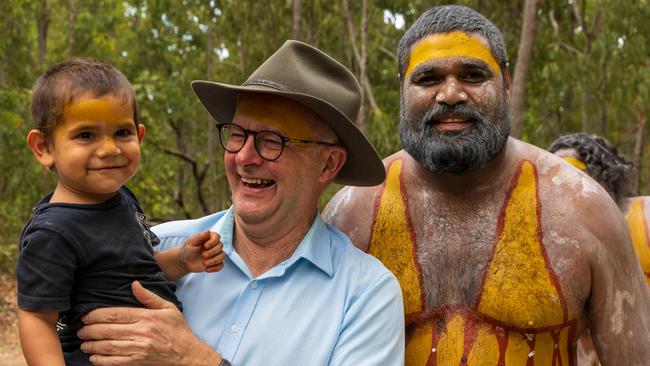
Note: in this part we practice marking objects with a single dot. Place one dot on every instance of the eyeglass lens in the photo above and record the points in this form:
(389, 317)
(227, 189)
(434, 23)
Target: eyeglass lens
(267, 143)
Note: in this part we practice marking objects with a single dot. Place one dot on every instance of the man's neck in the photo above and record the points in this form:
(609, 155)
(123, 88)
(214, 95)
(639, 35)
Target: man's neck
(263, 246)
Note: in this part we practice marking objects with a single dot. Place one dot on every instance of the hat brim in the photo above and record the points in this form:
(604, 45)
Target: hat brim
(363, 166)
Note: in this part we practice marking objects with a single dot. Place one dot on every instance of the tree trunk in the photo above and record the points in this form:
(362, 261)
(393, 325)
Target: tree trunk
(297, 19)
(524, 56)
(637, 160)
(584, 118)
(361, 57)
(604, 92)
(42, 24)
(209, 69)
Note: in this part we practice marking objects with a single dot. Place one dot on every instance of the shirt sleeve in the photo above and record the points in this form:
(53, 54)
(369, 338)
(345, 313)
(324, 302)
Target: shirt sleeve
(45, 271)
(373, 329)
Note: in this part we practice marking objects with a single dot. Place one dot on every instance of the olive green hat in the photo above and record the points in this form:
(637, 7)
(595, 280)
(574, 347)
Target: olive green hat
(307, 75)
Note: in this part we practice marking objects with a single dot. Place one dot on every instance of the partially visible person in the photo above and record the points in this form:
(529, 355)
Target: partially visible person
(88, 240)
(602, 161)
(598, 158)
(505, 253)
(294, 290)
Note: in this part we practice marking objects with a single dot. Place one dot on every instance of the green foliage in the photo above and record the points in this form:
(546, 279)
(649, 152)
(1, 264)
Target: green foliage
(596, 77)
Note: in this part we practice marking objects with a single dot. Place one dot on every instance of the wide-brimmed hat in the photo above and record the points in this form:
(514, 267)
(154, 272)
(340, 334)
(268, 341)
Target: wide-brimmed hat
(307, 75)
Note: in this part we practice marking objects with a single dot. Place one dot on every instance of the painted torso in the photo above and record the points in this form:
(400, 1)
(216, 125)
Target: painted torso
(482, 278)
(637, 215)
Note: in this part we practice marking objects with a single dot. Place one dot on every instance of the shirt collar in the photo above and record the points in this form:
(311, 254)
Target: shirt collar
(314, 247)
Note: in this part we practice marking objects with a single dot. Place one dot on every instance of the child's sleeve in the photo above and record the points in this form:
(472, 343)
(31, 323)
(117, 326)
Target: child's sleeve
(45, 271)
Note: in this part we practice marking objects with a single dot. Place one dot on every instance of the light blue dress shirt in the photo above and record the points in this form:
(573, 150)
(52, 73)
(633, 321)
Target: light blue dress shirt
(328, 304)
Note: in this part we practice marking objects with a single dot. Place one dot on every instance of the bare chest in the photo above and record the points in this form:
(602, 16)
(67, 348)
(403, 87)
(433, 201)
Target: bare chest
(496, 255)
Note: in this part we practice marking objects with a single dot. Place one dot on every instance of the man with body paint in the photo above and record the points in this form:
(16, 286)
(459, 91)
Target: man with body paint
(293, 290)
(505, 254)
(601, 160)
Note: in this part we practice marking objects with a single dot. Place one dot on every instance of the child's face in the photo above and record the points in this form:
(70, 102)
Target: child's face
(95, 149)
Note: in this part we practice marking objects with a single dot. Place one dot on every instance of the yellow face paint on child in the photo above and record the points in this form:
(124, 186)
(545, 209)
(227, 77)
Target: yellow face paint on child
(285, 115)
(576, 163)
(107, 109)
(452, 44)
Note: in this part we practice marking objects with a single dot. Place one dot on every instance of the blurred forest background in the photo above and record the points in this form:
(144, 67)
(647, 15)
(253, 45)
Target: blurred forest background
(579, 65)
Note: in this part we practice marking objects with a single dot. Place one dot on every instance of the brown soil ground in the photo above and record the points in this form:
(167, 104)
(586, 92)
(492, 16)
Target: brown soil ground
(10, 353)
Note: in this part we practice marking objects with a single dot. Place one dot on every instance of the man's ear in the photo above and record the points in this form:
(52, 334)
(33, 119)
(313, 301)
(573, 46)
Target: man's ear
(336, 157)
(507, 80)
(141, 129)
(41, 148)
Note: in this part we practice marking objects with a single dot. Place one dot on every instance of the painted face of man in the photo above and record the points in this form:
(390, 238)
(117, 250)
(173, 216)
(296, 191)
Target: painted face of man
(454, 108)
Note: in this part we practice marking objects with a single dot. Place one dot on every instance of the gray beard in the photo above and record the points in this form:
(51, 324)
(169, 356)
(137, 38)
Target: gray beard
(455, 152)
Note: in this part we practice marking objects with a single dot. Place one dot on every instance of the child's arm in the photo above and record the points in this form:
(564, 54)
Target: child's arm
(201, 252)
(38, 338)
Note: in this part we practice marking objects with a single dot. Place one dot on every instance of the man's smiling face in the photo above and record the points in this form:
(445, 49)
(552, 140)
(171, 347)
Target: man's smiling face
(454, 107)
(281, 189)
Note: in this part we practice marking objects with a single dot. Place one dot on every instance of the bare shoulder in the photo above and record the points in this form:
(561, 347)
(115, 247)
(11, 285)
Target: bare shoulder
(574, 207)
(569, 192)
(351, 209)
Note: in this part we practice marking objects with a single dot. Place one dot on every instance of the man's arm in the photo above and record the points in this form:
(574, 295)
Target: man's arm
(372, 332)
(155, 335)
(618, 309)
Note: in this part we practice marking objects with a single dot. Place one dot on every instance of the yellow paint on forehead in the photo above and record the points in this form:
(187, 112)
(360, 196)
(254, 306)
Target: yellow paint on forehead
(576, 163)
(108, 109)
(452, 44)
(288, 117)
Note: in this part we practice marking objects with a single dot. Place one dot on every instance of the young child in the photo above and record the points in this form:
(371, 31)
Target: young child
(88, 240)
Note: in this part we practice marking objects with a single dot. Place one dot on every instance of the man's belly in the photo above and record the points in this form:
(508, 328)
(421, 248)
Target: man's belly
(460, 336)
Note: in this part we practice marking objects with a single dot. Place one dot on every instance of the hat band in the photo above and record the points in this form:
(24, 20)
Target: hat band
(270, 84)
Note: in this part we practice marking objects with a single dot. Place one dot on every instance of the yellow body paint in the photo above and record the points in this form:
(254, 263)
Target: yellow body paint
(419, 346)
(485, 351)
(576, 163)
(392, 224)
(106, 109)
(451, 343)
(519, 269)
(285, 115)
(636, 222)
(452, 44)
(520, 317)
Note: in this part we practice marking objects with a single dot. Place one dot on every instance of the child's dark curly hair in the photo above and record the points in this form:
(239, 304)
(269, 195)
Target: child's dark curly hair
(603, 161)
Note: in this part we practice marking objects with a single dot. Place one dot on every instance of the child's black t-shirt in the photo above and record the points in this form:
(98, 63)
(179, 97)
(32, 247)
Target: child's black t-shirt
(75, 258)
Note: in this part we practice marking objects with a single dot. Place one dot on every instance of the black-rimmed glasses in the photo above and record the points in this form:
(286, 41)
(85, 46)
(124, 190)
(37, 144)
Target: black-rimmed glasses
(268, 144)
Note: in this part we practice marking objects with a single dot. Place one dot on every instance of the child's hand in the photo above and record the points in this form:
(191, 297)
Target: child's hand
(203, 252)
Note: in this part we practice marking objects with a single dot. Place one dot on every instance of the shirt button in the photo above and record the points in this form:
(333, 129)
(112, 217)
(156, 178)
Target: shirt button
(234, 328)
(254, 284)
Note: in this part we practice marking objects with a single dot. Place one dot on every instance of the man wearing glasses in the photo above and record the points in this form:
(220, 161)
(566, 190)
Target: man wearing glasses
(293, 290)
